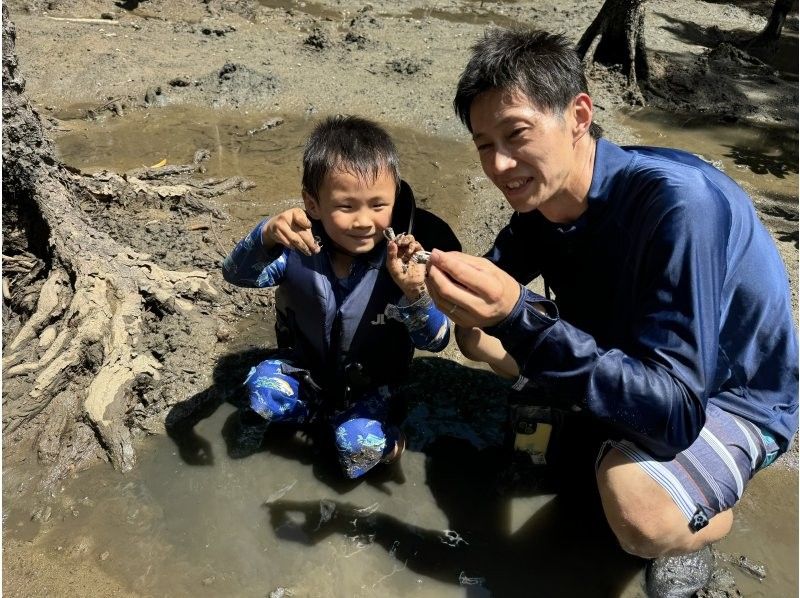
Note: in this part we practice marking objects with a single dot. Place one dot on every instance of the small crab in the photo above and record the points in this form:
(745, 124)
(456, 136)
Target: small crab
(420, 257)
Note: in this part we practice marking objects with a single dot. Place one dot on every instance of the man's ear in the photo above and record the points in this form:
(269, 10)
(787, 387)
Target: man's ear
(311, 205)
(582, 110)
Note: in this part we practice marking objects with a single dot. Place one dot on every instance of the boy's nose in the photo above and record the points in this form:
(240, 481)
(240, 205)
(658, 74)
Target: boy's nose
(362, 220)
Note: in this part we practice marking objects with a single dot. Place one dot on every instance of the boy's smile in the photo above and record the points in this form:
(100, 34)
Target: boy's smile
(354, 211)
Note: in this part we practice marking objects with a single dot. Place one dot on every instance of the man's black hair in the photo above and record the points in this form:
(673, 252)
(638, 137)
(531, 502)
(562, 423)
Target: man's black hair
(542, 66)
(350, 144)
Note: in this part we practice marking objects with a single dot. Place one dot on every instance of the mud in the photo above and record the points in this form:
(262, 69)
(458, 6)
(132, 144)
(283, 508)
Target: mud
(161, 80)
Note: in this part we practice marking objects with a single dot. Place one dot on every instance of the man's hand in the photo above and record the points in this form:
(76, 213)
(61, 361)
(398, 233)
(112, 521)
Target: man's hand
(407, 273)
(472, 291)
(291, 228)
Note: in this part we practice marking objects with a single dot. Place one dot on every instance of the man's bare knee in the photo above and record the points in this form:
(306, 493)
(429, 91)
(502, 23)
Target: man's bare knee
(643, 516)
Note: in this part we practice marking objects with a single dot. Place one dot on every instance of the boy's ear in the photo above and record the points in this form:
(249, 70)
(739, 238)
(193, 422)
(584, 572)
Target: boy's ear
(311, 205)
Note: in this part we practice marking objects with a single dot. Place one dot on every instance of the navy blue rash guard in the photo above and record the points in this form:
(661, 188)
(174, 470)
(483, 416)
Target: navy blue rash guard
(669, 293)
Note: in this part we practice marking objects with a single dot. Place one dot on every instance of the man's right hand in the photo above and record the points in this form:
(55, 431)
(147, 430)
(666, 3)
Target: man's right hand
(291, 228)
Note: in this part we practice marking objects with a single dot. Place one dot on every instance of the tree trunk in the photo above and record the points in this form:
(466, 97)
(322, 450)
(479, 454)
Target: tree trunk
(73, 302)
(616, 36)
(768, 38)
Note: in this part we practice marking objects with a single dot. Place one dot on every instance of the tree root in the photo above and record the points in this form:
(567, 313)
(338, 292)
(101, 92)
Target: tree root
(168, 187)
(616, 36)
(79, 352)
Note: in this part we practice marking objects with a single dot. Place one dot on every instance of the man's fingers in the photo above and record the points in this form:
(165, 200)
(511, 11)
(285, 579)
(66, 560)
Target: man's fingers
(446, 259)
(467, 271)
(447, 292)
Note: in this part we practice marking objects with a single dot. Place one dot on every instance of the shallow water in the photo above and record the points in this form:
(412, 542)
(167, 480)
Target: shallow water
(436, 168)
(191, 519)
(761, 158)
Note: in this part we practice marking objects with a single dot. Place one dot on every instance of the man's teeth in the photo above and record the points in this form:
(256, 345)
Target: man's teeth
(517, 184)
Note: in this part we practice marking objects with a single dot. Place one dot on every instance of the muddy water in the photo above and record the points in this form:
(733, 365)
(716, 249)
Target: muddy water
(479, 16)
(483, 17)
(193, 520)
(435, 167)
(761, 158)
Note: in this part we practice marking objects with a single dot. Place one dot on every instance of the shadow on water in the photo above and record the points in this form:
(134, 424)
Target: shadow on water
(456, 422)
(244, 438)
(478, 550)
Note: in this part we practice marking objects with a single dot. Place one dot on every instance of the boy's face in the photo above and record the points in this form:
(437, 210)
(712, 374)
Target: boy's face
(353, 212)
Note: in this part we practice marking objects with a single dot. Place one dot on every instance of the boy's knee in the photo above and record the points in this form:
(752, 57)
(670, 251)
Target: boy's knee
(272, 394)
(361, 444)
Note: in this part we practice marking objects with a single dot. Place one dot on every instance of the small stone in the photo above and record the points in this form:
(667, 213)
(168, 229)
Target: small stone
(209, 580)
(104, 556)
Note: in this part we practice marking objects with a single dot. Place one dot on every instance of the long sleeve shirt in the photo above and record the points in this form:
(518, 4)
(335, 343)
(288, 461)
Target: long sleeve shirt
(669, 293)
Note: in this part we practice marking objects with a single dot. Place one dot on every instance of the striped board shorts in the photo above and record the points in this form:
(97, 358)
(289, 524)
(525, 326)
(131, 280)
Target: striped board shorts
(709, 476)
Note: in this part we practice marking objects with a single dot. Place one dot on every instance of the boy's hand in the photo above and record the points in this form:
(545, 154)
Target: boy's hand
(291, 228)
(408, 274)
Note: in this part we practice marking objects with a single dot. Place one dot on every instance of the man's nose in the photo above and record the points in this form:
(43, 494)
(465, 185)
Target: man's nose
(502, 161)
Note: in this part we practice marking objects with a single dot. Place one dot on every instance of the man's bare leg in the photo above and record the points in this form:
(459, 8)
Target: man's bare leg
(643, 516)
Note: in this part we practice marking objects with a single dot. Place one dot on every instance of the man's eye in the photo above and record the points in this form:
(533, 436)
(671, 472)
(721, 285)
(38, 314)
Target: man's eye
(483, 146)
(516, 132)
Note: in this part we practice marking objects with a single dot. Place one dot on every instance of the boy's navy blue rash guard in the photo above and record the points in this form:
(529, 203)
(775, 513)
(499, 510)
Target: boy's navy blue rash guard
(669, 293)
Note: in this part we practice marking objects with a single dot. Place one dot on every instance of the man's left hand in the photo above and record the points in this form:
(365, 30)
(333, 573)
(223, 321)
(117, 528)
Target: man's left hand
(471, 290)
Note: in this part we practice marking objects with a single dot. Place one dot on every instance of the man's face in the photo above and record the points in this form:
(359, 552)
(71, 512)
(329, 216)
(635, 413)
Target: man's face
(528, 154)
(354, 212)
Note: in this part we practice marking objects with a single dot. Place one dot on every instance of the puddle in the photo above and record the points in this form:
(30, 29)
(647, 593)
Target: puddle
(249, 526)
(192, 520)
(310, 8)
(761, 158)
(474, 16)
(471, 17)
(284, 518)
(435, 167)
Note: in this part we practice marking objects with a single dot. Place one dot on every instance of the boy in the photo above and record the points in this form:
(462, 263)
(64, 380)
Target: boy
(351, 306)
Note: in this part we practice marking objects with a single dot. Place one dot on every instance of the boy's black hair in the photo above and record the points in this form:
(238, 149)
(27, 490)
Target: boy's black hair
(543, 66)
(350, 144)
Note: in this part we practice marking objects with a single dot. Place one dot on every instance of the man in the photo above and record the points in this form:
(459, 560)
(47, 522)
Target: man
(671, 325)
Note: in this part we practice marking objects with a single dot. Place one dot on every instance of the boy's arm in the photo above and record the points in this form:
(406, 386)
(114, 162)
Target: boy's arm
(259, 260)
(252, 264)
(476, 345)
(428, 328)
